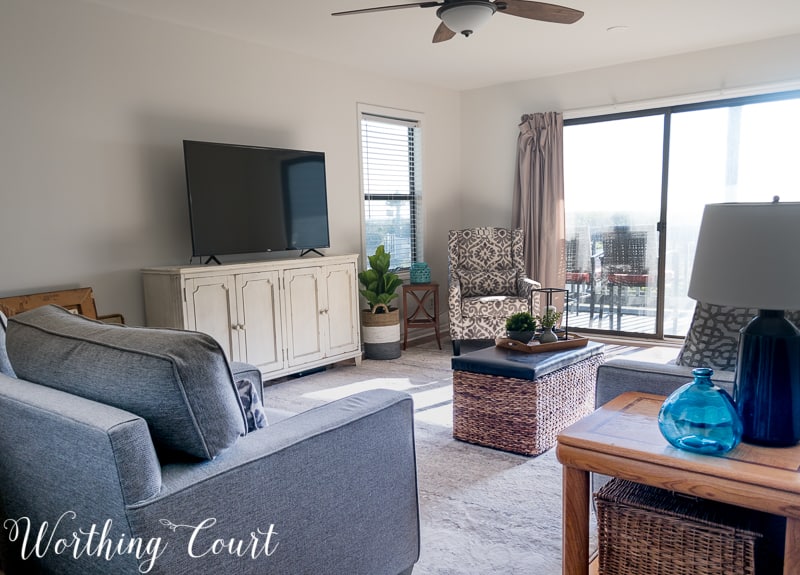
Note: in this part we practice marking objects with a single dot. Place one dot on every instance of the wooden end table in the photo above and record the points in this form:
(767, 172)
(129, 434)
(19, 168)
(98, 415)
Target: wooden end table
(622, 439)
(421, 315)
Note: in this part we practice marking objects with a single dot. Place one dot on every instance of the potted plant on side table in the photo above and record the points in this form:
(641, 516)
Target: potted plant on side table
(381, 322)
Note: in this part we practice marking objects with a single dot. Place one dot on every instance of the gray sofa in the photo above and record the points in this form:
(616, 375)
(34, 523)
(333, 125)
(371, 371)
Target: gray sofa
(133, 447)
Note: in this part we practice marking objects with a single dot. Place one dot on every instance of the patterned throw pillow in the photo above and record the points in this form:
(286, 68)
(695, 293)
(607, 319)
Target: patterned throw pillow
(248, 395)
(5, 364)
(713, 338)
(479, 284)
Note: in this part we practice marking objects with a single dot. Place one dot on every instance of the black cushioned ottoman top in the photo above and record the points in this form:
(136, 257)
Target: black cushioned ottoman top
(521, 365)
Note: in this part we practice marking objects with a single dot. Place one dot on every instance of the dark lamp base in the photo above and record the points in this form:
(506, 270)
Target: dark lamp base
(767, 388)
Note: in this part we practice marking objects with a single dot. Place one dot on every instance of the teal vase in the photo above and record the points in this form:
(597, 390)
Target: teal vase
(420, 273)
(701, 417)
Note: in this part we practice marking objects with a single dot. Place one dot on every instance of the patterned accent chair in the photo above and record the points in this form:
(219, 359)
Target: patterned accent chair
(486, 282)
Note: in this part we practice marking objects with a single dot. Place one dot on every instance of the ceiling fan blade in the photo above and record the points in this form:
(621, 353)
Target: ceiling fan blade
(393, 7)
(540, 11)
(442, 33)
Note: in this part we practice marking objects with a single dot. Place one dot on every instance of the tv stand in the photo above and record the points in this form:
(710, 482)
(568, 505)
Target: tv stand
(304, 252)
(212, 259)
(284, 316)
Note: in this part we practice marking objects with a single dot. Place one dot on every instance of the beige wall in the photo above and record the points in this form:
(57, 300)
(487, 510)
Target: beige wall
(94, 105)
(490, 116)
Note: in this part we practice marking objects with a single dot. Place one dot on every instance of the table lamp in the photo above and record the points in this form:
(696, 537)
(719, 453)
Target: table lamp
(748, 256)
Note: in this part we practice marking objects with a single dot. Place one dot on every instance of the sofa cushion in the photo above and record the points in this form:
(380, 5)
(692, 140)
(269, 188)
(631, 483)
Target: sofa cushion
(497, 282)
(178, 381)
(713, 337)
(5, 364)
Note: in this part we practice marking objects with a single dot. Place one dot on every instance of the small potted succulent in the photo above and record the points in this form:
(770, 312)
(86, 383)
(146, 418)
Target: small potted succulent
(521, 326)
(548, 321)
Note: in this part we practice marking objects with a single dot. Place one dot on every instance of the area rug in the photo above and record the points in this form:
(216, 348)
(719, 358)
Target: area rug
(482, 510)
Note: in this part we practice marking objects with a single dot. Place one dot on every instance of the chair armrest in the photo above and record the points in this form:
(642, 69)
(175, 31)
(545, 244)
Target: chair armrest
(525, 287)
(619, 375)
(454, 297)
(71, 457)
(337, 484)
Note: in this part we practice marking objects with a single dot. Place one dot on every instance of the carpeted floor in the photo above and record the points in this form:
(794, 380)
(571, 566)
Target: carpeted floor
(482, 510)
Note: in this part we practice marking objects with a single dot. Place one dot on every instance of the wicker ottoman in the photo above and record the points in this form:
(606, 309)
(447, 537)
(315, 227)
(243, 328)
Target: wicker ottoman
(520, 402)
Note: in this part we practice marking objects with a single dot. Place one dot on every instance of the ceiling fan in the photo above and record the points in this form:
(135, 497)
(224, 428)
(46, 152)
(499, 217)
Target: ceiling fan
(466, 16)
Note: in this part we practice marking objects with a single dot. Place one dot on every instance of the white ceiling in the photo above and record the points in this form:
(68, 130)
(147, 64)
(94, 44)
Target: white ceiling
(398, 43)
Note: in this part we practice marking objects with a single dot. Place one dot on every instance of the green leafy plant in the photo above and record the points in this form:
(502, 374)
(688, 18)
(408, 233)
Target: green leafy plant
(549, 318)
(379, 283)
(522, 321)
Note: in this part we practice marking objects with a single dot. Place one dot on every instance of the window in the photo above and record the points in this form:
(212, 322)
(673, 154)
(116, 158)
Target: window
(391, 183)
(651, 173)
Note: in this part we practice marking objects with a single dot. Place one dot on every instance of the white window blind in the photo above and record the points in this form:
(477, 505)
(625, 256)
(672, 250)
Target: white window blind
(390, 159)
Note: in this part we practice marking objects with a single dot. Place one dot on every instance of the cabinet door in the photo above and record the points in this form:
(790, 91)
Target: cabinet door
(340, 308)
(304, 337)
(259, 313)
(211, 309)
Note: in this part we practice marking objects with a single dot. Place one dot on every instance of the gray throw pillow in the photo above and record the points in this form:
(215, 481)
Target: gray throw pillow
(178, 381)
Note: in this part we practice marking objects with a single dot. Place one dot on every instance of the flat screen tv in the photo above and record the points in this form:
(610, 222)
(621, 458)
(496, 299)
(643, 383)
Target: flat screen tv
(248, 199)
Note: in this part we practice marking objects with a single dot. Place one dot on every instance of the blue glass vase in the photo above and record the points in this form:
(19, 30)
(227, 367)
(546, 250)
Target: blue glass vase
(701, 417)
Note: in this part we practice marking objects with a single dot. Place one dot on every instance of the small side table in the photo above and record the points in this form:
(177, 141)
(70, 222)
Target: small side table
(622, 439)
(421, 315)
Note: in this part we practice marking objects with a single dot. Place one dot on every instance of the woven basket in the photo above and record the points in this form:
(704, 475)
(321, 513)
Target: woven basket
(381, 332)
(644, 530)
(520, 415)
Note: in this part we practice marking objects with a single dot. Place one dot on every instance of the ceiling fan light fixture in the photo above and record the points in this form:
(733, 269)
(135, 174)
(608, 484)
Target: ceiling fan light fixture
(466, 16)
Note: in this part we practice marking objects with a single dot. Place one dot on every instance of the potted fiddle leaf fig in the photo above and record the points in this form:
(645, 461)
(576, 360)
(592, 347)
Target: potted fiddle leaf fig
(381, 322)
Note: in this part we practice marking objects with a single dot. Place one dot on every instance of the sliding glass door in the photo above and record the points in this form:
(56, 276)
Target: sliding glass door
(745, 153)
(613, 205)
(635, 187)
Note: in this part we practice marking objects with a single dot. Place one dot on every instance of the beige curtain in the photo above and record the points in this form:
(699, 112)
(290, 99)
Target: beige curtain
(539, 197)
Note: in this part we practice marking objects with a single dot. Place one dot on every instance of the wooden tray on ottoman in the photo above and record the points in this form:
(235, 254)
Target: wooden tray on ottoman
(535, 346)
(519, 402)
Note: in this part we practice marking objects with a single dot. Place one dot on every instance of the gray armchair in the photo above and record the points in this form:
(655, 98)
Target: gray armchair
(142, 432)
(486, 282)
